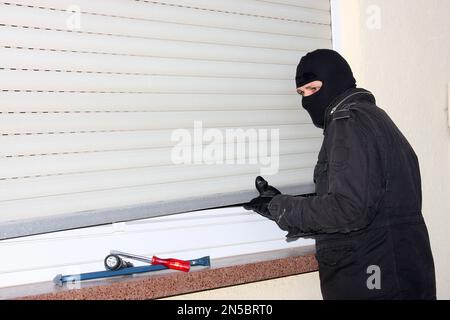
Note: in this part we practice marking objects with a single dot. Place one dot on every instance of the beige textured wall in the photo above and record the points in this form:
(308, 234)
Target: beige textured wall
(302, 287)
(406, 64)
(400, 52)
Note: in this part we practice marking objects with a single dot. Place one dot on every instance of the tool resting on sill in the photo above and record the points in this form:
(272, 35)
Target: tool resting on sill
(128, 269)
(114, 262)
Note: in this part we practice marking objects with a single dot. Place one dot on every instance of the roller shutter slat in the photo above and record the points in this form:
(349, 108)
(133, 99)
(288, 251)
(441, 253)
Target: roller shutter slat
(136, 10)
(137, 29)
(102, 180)
(71, 81)
(67, 101)
(67, 61)
(104, 121)
(105, 199)
(52, 164)
(93, 43)
(30, 144)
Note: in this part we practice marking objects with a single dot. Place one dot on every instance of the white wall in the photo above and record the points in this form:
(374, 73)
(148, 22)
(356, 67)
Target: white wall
(404, 59)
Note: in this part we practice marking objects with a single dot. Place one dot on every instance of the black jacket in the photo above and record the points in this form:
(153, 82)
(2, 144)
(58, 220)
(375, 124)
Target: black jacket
(366, 214)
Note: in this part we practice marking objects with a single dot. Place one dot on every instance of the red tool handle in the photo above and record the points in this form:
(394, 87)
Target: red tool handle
(170, 263)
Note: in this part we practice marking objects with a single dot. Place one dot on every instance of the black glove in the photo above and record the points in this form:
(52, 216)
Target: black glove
(266, 193)
(293, 233)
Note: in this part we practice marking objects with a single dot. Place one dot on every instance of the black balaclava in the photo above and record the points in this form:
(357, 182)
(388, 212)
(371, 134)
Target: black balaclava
(336, 75)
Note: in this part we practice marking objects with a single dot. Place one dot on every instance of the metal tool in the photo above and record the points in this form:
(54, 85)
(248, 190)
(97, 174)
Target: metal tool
(61, 279)
(113, 261)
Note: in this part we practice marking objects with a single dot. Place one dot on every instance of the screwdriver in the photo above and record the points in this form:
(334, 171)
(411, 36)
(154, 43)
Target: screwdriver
(175, 264)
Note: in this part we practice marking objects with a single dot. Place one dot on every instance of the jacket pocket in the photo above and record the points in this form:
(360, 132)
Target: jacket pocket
(334, 256)
(339, 157)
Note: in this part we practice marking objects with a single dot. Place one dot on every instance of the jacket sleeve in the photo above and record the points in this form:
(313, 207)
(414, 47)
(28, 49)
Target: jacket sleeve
(355, 187)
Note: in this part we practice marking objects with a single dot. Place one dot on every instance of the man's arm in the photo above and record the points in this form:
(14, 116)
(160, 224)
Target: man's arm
(355, 187)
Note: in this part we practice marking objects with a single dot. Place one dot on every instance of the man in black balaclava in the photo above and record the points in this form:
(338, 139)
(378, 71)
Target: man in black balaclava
(371, 238)
(332, 71)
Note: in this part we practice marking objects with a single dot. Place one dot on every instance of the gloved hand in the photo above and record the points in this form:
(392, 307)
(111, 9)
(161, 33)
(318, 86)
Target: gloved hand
(293, 233)
(266, 193)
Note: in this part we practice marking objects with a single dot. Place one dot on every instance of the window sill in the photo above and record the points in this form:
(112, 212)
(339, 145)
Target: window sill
(223, 273)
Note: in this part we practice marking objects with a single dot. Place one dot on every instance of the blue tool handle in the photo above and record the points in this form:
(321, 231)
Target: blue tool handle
(60, 279)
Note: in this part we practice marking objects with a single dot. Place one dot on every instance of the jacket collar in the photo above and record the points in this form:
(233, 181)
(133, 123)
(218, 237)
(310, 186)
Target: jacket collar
(349, 96)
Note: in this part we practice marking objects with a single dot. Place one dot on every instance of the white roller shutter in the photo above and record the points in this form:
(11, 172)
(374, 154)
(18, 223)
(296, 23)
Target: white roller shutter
(91, 94)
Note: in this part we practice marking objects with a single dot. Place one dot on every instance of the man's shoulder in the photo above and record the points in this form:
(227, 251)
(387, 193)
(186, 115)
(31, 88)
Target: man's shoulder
(357, 119)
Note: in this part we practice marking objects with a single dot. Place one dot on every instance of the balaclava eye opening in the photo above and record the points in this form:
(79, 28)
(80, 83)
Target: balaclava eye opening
(336, 75)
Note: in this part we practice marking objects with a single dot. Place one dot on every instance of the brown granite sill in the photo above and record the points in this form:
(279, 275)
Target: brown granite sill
(170, 283)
